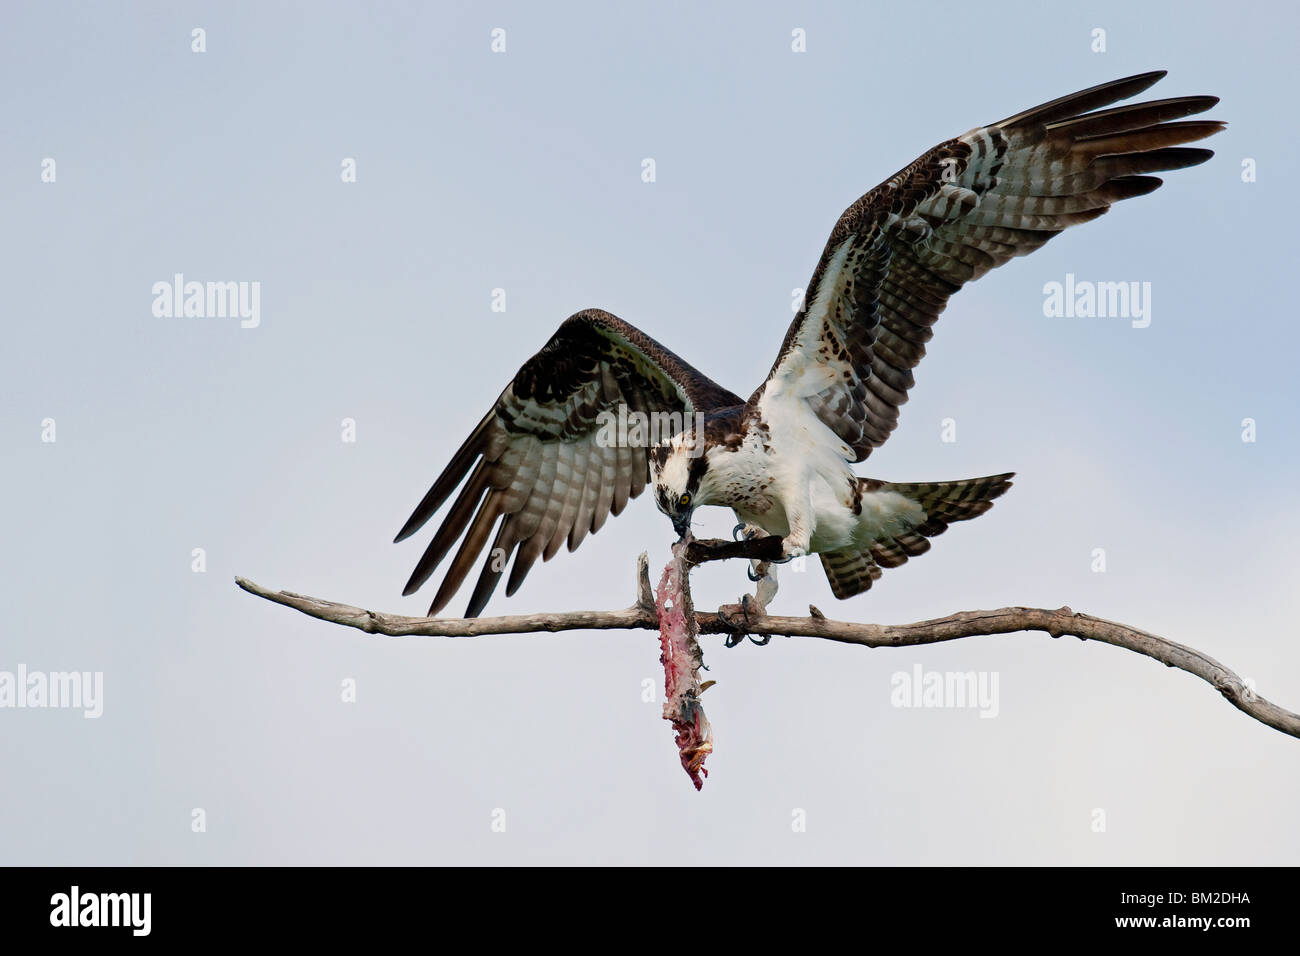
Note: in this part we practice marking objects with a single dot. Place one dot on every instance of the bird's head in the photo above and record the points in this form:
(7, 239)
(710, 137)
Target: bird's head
(679, 469)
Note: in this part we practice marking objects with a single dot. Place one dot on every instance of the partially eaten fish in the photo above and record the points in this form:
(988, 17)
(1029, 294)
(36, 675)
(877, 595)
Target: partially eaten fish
(682, 659)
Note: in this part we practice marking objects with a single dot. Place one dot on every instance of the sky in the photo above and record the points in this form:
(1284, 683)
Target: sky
(148, 459)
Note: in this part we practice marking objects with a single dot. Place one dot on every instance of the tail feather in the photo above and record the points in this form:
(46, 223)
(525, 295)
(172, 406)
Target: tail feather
(851, 571)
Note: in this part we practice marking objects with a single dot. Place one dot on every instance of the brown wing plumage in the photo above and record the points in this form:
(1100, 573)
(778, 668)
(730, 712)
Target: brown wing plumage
(537, 474)
(965, 207)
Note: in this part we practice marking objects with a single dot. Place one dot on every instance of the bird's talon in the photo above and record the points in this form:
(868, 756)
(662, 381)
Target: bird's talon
(789, 552)
(739, 632)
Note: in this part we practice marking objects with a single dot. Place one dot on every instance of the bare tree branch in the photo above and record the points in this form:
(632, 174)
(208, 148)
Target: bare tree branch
(642, 616)
(766, 548)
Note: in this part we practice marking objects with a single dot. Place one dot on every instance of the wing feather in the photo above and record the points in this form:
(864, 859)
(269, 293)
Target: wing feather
(964, 208)
(534, 473)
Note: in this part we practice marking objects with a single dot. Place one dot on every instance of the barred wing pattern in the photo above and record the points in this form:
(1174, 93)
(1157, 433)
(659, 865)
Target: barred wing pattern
(963, 208)
(853, 570)
(536, 471)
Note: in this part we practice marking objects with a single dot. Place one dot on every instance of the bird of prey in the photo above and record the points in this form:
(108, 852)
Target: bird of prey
(540, 471)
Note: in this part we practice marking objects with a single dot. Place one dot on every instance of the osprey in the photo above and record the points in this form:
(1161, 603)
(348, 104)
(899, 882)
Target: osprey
(543, 470)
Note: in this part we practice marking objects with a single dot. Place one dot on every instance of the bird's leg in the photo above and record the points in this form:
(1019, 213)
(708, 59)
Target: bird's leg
(761, 572)
(750, 606)
(800, 517)
(764, 573)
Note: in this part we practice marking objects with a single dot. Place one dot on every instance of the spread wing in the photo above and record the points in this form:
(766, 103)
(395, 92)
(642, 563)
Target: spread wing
(540, 472)
(963, 208)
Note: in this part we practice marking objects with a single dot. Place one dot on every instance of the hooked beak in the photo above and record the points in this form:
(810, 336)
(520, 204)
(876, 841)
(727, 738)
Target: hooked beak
(682, 525)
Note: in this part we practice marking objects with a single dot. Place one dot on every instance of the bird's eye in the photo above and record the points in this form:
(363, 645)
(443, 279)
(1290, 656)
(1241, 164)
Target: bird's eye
(684, 500)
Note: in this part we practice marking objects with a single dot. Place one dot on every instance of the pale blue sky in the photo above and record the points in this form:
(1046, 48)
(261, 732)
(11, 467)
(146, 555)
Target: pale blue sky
(522, 171)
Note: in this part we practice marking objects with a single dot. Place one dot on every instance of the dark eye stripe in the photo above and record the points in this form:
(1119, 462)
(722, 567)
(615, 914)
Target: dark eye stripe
(698, 467)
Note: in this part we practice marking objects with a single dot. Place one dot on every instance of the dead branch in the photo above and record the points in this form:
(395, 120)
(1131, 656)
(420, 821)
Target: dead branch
(642, 616)
(767, 548)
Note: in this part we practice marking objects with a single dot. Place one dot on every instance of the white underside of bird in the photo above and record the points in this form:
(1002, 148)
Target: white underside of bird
(809, 498)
